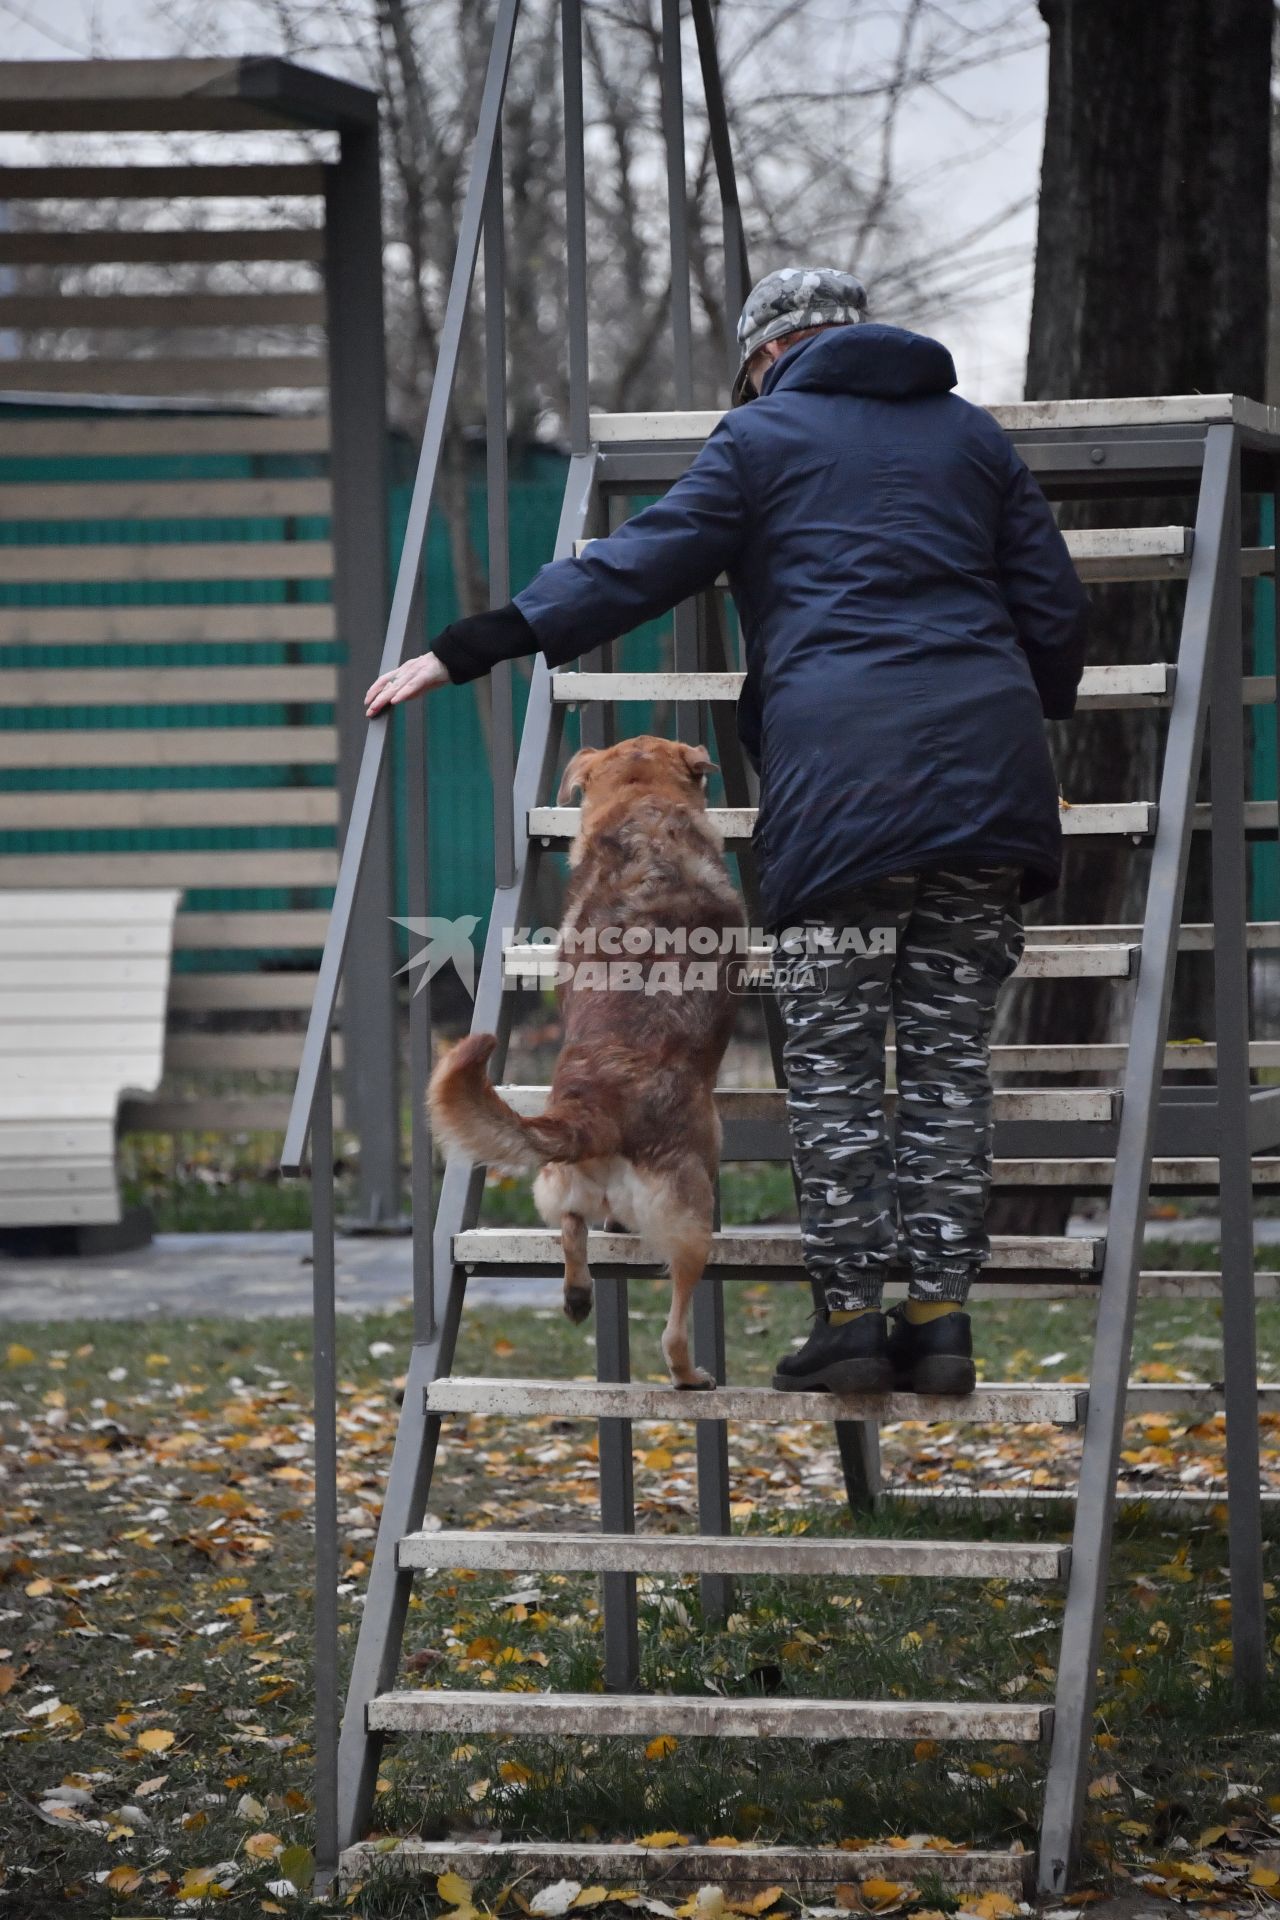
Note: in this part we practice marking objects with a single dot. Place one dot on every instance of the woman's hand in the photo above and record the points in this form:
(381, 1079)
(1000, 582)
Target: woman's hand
(405, 683)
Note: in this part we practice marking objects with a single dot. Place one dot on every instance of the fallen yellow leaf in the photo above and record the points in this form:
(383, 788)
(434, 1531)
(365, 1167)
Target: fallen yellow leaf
(589, 1896)
(661, 1840)
(19, 1356)
(123, 1880)
(156, 1740)
(879, 1894)
(452, 1886)
(658, 1749)
(263, 1846)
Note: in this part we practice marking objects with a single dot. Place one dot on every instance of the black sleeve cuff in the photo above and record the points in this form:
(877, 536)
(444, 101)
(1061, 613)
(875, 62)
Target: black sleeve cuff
(471, 648)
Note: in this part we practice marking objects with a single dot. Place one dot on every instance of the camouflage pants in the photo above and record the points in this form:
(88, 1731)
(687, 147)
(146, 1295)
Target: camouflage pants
(931, 948)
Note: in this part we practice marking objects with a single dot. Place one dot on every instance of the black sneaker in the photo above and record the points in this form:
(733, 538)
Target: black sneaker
(850, 1358)
(934, 1357)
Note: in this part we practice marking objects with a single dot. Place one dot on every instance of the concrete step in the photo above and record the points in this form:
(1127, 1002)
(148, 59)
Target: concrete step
(1100, 687)
(1016, 1404)
(811, 1871)
(641, 1715)
(1111, 961)
(750, 1248)
(1100, 1104)
(1109, 553)
(790, 1554)
(557, 826)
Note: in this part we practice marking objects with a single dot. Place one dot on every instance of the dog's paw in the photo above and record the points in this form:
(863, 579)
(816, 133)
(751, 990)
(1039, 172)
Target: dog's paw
(577, 1304)
(702, 1382)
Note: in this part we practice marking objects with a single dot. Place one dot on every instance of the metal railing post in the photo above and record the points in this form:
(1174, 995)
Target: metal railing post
(418, 862)
(358, 467)
(502, 752)
(737, 270)
(575, 220)
(677, 202)
(1235, 1164)
(324, 1419)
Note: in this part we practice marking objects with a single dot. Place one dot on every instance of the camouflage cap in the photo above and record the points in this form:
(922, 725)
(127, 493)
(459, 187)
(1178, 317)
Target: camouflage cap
(789, 301)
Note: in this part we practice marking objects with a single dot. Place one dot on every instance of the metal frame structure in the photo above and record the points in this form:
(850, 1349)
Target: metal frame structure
(197, 405)
(1209, 447)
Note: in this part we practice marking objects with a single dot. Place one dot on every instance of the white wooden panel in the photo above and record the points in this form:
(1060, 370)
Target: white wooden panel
(179, 560)
(139, 909)
(273, 867)
(54, 438)
(210, 991)
(83, 988)
(162, 499)
(172, 807)
(193, 373)
(261, 929)
(53, 973)
(169, 747)
(175, 626)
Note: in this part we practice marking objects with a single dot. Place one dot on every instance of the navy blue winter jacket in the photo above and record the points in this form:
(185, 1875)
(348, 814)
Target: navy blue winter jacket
(910, 614)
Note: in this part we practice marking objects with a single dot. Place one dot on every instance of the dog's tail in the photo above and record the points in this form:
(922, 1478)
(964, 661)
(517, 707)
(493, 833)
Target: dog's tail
(468, 1114)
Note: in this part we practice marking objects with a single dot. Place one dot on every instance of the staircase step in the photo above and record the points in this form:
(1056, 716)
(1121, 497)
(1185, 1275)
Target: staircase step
(810, 1871)
(1073, 961)
(749, 1247)
(1111, 1057)
(690, 427)
(789, 1554)
(639, 1715)
(1190, 1174)
(557, 826)
(1100, 687)
(1109, 553)
(769, 1103)
(1194, 936)
(1016, 1404)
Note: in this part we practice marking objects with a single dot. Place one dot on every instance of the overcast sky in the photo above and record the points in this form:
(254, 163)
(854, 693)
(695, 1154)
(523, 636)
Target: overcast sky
(973, 151)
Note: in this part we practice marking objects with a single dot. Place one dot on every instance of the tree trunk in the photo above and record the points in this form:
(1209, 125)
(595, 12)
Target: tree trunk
(1151, 278)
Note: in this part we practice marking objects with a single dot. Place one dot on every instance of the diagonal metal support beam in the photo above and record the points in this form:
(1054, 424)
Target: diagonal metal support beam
(1209, 605)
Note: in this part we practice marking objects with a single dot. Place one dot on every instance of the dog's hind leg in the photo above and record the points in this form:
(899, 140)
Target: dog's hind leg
(677, 1223)
(559, 1192)
(577, 1274)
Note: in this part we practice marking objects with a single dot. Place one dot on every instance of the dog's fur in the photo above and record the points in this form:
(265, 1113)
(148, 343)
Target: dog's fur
(630, 1133)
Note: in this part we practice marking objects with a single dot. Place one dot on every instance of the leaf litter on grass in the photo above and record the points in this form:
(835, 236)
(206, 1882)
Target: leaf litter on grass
(154, 1633)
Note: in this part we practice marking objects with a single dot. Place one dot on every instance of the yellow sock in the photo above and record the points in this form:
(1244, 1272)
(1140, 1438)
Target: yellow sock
(920, 1312)
(841, 1316)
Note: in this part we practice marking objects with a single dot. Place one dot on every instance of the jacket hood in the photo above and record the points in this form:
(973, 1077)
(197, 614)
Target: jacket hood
(887, 363)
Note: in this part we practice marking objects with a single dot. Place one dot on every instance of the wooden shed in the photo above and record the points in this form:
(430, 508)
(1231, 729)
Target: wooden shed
(193, 541)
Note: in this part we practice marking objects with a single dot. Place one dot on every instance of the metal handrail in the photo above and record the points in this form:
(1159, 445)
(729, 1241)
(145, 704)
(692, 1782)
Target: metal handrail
(322, 1007)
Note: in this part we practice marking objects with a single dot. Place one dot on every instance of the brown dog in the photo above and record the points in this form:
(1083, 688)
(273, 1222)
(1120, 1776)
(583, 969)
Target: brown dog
(630, 1132)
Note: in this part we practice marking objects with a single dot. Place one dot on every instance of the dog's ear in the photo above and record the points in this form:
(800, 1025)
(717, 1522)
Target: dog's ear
(699, 763)
(576, 774)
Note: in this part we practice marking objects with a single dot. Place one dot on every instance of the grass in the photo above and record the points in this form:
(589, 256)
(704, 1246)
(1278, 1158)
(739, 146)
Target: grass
(156, 1581)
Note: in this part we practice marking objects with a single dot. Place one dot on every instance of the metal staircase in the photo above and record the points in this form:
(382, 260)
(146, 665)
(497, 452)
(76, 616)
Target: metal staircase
(1118, 1138)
